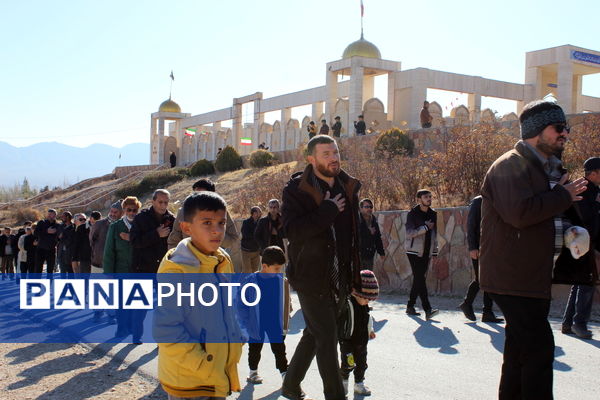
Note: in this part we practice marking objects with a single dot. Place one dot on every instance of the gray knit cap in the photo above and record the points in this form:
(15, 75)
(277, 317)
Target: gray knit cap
(535, 119)
(117, 205)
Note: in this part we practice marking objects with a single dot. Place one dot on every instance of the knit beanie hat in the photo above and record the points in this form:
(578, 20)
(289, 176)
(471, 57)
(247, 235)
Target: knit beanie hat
(117, 205)
(537, 115)
(369, 288)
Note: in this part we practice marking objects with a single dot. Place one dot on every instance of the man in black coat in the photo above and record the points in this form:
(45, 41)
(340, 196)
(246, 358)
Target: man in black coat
(320, 218)
(269, 229)
(8, 252)
(46, 234)
(370, 235)
(473, 233)
(249, 245)
(360, 126)
(149, 233)
(66, 243)
(579, 307)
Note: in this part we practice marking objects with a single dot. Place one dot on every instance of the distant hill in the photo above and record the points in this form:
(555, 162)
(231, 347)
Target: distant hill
(55, 164)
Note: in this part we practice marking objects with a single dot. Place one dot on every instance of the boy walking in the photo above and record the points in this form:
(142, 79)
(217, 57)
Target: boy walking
(273, 260)
(353, 351)
(189, 369)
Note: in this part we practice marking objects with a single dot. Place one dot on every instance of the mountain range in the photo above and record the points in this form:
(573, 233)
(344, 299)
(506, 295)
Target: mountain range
(57, 164)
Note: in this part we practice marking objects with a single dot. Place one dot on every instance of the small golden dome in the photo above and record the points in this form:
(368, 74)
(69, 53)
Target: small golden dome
(362, 48)
(169, 106)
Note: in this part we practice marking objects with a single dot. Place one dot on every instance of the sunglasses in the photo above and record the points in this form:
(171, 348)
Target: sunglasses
(367, 206)
(131, 209)
(81, 219)
(562, 127)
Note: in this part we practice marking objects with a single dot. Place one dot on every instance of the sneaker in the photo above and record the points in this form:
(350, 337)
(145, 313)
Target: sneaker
(362, 389)
(293, 395)
(345, 383)
(254, 378)
(411, 311)
(581, 331)
(431, 313)
(491, 317)
(566, 329)
(467, 309)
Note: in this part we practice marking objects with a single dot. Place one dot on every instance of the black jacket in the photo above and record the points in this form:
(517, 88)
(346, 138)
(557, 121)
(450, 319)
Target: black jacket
(474, 223)
(46, 241)
(307, 221)
(262, 233)
(148, 248)
(82, 251)
(30, 248)
(66, 243)
(337, 129)
(589, 207)
(369, 243)
(13, 245)
(248, 242)
(360, 127)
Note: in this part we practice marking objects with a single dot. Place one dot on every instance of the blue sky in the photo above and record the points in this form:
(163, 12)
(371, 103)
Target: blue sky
(82, 72)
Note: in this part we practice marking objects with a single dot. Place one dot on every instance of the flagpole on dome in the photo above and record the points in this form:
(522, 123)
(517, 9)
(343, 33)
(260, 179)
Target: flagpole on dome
(362, 14)
(171, 88)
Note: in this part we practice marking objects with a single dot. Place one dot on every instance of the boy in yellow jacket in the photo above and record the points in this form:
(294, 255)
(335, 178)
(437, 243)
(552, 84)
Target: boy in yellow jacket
(187, 369)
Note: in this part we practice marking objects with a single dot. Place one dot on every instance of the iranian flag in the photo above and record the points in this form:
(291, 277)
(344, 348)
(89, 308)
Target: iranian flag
(190, 131)
(246, 141)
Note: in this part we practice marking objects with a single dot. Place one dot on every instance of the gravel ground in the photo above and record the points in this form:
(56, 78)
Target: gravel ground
(69, 371)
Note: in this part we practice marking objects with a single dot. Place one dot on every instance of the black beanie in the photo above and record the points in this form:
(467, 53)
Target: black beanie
(537, 115)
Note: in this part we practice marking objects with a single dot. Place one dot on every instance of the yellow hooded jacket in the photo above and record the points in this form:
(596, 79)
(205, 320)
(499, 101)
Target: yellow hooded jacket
(195, 369)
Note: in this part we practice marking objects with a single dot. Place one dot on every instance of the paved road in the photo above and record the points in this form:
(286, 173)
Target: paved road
(448, 358)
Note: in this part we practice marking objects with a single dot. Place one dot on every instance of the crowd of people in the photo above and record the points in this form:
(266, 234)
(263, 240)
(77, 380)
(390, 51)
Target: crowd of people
(525, 232)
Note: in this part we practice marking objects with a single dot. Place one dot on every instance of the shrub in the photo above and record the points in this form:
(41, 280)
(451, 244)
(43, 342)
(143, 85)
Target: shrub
(152, 181)
(262, 158)
(392, 143)
(26, 214)
(228, 160)
(202, 168)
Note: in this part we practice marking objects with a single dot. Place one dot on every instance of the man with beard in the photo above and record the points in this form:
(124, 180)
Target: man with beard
(320, 212)
(269, 229)
(420, 245)
(525, 193)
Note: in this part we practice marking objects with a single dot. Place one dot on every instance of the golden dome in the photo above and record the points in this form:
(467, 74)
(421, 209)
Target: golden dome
(169, 106)
(362, 48)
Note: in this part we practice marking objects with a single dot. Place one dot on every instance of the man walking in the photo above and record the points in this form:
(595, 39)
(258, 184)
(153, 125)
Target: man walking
(269, 229)
(249, 245)
(579, 307)
(320, 212)
(370, 235)
(46, 234)
(421, 245)
(524, 193)
(473, 233)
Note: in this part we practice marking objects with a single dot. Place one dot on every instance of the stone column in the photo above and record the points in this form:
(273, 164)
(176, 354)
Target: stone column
(391, 95)
(161, 141)
(474, 106)
(259, 119)
(236, 125)
(332, 95)
(286, 115)
(153, 142)
(317, 110)
(565, 86)
(355, 93)
(368, 88)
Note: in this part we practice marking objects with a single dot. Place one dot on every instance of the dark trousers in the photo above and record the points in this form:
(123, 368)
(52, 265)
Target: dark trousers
(367, 262)
(137, 324)
(8, 265)
(579, 306)
(419, 266)
(318, 338)
(474, 289)
(43, 255)
(278, 350)
(528, 348)
(359, 354)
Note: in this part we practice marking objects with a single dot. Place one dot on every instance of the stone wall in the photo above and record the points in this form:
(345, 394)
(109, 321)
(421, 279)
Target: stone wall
(121, 172)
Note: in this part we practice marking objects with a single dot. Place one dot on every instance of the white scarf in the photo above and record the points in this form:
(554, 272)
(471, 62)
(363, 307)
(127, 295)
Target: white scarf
(127, 222)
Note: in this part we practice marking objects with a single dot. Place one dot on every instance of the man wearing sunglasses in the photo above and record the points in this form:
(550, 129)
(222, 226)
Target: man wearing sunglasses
(370, 235)
(526, 197)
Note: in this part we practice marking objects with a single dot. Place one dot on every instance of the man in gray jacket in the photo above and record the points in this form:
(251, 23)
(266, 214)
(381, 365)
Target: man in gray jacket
(98, 233)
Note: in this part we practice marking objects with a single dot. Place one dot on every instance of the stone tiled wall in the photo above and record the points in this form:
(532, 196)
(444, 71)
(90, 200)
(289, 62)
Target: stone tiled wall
(450, 272)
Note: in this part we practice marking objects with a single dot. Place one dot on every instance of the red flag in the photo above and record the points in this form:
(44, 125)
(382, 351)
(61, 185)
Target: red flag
(362, 9)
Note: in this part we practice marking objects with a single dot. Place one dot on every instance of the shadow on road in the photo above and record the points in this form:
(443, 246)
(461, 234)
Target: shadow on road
(496, 335)
(430, 336)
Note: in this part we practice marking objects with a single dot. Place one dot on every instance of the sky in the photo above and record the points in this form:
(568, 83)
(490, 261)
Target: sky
(83, 72)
